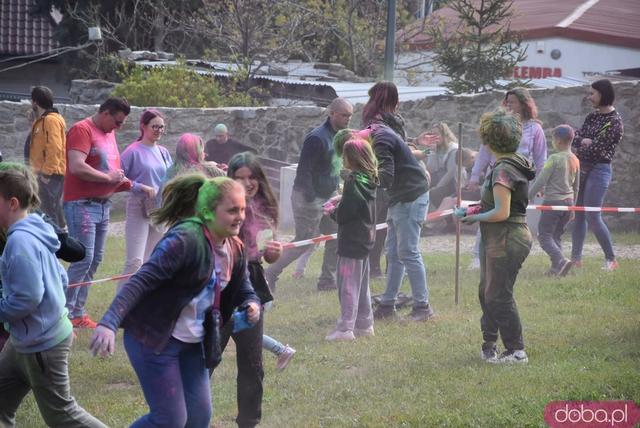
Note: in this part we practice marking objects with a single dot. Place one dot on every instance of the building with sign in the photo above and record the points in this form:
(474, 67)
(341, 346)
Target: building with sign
(568, 38)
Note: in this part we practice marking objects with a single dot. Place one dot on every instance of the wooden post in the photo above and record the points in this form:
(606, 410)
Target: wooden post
(458, 202)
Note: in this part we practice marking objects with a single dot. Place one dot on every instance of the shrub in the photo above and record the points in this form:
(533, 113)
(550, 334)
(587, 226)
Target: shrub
(178, 86)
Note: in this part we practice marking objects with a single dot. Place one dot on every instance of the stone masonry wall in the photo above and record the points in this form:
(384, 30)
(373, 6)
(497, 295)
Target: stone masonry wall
(278, 132)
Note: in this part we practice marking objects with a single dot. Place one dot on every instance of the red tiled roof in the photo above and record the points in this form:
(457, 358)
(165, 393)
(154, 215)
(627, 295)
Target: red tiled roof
(21, 33)
(614, 22)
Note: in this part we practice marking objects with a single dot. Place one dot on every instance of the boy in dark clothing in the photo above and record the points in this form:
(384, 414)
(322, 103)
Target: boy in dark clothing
(315, 182)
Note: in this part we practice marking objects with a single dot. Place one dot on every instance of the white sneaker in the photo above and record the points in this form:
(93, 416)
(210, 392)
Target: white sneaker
(474, 265)
(510, 356)
(340, 336)
(363, 332)
(285, 357)
(610, 265)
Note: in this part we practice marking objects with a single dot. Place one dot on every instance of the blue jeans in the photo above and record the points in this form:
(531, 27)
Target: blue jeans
(88, 222)
(404, 221)
(593, 189)
(175, 383)
(272, 345)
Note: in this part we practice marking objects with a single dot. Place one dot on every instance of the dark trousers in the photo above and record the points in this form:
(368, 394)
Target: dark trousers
(381, 235)
(310, 221)
(50, 192)
(250, 372)
(503, 249)
(550, 229)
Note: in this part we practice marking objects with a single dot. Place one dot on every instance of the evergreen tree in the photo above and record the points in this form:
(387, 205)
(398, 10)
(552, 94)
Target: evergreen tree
(480, 48)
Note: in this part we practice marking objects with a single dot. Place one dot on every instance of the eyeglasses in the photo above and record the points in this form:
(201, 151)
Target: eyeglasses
(160, 128)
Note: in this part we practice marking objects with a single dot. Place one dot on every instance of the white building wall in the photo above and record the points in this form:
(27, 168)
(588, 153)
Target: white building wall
(577, 59)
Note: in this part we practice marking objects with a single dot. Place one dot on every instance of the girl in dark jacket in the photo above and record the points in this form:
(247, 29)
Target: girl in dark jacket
(356, 218)
(162, 306)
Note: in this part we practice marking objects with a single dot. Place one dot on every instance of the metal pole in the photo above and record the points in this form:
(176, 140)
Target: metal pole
(458, 201)
(390, 44)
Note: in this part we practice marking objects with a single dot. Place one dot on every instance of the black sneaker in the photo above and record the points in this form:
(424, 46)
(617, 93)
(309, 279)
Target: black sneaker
(489, 351)
(421, 313)
(565, 268)
(511, 356)
(385, 312)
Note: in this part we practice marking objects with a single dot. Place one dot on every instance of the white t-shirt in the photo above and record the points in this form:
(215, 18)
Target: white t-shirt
(189, 326)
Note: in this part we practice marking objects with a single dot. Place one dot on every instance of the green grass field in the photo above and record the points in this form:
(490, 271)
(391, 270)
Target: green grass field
(582, 334)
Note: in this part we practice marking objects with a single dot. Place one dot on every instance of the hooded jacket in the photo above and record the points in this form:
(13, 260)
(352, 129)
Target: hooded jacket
(47, 153)
(513, 172)
(33, 285)
(356, 217)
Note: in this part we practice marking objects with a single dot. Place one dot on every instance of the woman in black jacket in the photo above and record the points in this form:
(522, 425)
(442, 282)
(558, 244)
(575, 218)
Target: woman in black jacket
(198, 264)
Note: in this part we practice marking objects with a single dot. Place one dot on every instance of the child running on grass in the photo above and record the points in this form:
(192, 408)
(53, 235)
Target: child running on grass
(355, 214)
(167, 308)
(559, 183)
(257, 234)
(36, 358)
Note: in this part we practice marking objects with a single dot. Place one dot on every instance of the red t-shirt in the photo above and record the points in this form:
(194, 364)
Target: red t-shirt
(102, 154)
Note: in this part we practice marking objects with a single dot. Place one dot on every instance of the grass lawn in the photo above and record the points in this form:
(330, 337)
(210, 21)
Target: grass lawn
(582, 335)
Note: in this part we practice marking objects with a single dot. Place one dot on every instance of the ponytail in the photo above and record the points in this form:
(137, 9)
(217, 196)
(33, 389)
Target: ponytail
(179, 198)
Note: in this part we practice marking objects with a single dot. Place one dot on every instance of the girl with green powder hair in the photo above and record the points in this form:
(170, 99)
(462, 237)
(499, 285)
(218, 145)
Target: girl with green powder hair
(198, 264)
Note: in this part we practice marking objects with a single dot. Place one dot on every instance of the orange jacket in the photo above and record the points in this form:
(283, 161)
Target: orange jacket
(47, 154)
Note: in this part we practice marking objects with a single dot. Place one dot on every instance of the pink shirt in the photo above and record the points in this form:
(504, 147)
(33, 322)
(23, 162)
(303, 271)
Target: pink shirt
(102, 154)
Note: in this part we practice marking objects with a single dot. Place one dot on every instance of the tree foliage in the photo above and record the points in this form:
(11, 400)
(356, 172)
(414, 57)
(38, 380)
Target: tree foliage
(247, 33)
(478, 50)
(178, 86)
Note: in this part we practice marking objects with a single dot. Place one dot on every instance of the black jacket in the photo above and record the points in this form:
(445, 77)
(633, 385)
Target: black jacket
(356, 217)
(400, 173)
(150, 302)
(315, 177)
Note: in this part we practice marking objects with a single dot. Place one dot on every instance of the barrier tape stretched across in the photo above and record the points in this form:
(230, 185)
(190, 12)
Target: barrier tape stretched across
(431, 216)
(322, 238)
(583, 209)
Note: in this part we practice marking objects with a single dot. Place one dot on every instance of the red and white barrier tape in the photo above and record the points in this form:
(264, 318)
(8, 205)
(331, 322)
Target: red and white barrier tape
(97, 281)
(322, 238)
(583, 209)
(431, 216)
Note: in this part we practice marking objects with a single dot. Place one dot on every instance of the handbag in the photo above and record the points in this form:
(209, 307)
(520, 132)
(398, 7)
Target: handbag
(212, 321)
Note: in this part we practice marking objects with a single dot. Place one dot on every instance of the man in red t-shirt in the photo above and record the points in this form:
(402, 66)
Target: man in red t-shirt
(93, 174)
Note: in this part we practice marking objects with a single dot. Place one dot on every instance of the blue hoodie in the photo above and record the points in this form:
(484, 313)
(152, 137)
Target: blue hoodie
(33, 299)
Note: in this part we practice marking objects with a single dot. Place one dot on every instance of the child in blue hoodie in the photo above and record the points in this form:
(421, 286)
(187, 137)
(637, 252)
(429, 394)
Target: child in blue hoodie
(33, 310)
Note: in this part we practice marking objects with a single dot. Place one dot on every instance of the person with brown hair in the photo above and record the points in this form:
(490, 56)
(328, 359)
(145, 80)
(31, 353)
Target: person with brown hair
(47, 153)
(595, 145)
(406, 186)
(197, 268)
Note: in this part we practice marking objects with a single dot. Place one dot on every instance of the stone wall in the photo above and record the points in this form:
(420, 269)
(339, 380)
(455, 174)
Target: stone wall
(278, 132)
